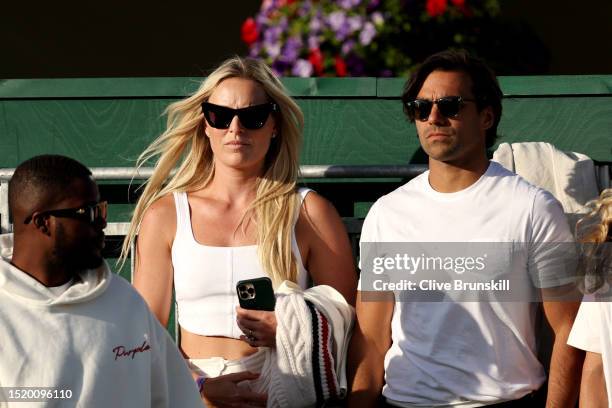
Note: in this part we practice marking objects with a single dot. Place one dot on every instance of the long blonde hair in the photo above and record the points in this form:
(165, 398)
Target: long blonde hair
(185, 145)
(592, 232)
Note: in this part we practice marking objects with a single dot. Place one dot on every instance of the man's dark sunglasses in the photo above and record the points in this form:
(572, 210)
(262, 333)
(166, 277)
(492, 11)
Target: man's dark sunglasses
(89, 213)
(252, 117)
(449, 107)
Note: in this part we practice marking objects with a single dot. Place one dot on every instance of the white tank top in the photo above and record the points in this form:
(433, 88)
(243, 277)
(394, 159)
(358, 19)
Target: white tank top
(205, 276)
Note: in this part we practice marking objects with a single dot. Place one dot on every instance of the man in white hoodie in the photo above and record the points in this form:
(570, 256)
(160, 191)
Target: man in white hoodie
(72, 332)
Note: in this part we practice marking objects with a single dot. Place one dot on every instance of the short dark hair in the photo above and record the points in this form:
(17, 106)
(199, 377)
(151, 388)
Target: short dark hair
(42, 180)
(485, 86)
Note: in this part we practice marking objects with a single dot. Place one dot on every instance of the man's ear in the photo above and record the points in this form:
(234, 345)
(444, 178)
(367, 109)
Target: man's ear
(41, 222)
(487, 117)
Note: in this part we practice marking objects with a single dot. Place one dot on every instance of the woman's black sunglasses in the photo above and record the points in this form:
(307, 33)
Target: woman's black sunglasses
(252, 117)
(449, 107)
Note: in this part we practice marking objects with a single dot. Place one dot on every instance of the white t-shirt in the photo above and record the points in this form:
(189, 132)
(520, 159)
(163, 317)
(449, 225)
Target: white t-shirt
(592, 331)
(468, 353)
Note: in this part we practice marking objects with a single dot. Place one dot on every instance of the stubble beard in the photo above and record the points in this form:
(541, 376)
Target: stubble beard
(72, 259)
(441, 150)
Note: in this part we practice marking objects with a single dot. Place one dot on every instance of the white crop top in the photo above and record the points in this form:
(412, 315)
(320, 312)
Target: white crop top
(205, 276)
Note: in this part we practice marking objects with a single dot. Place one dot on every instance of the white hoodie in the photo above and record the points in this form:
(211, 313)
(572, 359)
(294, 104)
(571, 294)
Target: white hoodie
(96, 339)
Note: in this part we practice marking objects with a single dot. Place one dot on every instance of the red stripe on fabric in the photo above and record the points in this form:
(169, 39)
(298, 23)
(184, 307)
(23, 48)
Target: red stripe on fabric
(324, 381)
(329, 374)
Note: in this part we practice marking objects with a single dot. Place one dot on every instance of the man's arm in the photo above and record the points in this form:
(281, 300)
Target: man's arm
(369, 344)
(566, 361)
(171, 381)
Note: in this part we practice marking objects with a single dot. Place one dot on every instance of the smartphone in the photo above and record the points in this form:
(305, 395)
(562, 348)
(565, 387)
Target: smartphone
(256, 294)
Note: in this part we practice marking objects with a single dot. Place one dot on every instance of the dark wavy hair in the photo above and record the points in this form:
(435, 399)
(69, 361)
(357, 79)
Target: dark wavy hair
(484, 83)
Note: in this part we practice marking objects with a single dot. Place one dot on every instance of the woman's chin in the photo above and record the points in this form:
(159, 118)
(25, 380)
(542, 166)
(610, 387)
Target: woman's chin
(241, 162)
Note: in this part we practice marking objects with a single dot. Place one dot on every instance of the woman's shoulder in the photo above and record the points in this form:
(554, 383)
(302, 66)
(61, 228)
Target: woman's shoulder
(316, 209)
(161, 214)
(162, 207)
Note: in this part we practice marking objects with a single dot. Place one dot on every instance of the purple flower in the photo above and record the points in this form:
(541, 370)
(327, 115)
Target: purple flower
(291, 50)
(268, 6)
(336, 20)
(355, 23)
(348, 4)
(313, 42)
(294, 41)
(372, 5)
(272, 35)
(305, 7)
(343, 32)
(255, 49)
(280, 67)
(262, 20)
(302, 68)
(347, 47)
(367, 34)
(283, 23)
(273, 49)
(339, 24)
(272, 4)
(315, 24)
(271, 43)
(378, 19)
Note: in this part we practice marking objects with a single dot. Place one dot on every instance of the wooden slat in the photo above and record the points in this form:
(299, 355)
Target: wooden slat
(171, 87)
(178, 87)
(331, 87)
(560, 85)
(97, 88)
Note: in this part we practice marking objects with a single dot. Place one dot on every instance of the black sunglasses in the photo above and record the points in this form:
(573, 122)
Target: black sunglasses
(449, 107)
(252, 117)
(89, 213)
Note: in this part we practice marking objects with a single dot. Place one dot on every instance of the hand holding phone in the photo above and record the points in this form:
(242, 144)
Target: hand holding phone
(256, 317)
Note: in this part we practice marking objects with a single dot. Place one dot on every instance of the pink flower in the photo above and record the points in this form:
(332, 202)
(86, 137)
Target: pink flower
(436, 7)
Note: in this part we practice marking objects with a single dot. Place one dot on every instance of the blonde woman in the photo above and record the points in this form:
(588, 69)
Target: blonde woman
(231, 211)
(592, 329)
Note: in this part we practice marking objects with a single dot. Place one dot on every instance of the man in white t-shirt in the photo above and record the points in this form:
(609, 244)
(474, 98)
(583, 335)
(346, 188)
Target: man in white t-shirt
(464, 354)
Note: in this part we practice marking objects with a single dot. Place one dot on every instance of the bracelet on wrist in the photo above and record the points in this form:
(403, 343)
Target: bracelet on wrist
(200, 383)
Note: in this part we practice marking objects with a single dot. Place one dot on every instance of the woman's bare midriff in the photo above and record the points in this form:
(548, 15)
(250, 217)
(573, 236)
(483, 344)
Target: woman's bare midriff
(197, 346)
